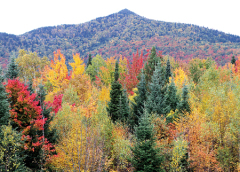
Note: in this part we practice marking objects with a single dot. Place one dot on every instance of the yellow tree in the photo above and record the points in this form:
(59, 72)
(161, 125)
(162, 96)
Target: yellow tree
(55, 77)
(30, 64)
(78, 66)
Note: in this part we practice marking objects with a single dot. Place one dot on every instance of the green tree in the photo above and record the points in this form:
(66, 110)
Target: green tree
(157, 100)
(115, 94)
(12, 71)
(94, 68)
(168, 71)
(89, 62)
(124, 106)
(183, 105)
(150, 65)
(4, 104)
(139, 101)
(233, 60)
(146, 156)
(11, 154)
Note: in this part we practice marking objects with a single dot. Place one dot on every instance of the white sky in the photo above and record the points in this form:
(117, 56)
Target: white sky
(20, 16)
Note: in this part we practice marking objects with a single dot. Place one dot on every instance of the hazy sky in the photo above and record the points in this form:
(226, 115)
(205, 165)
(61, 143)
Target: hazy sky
(20, 16)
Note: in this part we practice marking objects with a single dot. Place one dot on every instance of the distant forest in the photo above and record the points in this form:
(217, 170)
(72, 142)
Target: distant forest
(123, 33)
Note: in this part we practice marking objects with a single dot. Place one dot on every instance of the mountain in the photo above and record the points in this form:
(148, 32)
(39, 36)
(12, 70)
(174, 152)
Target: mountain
(123, 33)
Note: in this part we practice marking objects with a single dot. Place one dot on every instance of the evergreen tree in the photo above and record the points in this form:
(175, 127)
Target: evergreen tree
(139, 100)
(233, 60)
(172, 98)
(30, 86)
(115, 94)
(168, 71)
(89, 62)
(150, 65)
(184, 106)
(157, 99)
(146, 157)
(49, 134)
(4, 104)
(124, 106)
(12, 71)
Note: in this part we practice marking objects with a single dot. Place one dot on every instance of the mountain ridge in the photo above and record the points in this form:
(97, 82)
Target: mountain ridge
(123, 33)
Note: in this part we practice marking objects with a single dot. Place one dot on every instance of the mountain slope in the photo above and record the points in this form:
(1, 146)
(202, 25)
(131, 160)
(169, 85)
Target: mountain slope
(123, 33)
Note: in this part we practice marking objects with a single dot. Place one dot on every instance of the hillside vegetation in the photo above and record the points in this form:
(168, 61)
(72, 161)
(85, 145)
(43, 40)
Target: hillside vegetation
(123, 33)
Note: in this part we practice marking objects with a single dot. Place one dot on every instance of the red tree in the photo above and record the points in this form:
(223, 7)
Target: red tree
(130, 79)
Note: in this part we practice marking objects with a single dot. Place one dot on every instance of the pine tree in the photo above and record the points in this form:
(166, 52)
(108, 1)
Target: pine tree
(168, 71)
(139, 101)
(115, 94)
(184, 106)
(146, 157)
(157, 100)
(150, 65)
(89, 62)
(4, 105)
(233, 60)
(12, 71)
(124, 106)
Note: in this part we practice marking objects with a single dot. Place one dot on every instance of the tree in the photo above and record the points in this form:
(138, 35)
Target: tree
(157, 100)
(150, 65)
(146, 156)
(30, 64)
(11, 154)
(4, 105)
(115, 94)
(183, 105)
(89, 62)
(130, 79)
(26, 117)
(124, 106)
(12, 71)
(94, 68)
(233, 60)
(168, 71)
(139, 102)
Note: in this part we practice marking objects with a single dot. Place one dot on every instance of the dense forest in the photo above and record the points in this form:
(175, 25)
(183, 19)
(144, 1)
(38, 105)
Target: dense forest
(153, 113)
(123, 33)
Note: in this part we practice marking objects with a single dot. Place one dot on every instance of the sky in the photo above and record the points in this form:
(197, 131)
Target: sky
(20, 16)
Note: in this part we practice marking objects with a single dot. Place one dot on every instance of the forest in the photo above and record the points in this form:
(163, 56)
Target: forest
(123, 33)
(150, 113)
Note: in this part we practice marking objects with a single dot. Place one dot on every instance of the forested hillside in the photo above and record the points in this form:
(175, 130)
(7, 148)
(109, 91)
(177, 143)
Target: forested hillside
(155, 113)
(123, 33)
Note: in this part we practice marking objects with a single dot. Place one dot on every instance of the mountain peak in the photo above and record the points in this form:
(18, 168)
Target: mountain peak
(126, 12)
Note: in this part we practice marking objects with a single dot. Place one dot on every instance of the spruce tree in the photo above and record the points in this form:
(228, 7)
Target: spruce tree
(184, 106)
(157, 100)
(150, 65)
(4, 104)
(233, 60)
(115, 94)
(168, 71)
(12, 71)
(30, 86)
(139, 101)
(124, 106)
(172, 97)
(49, 134)
(89, 62)
(146, 156)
